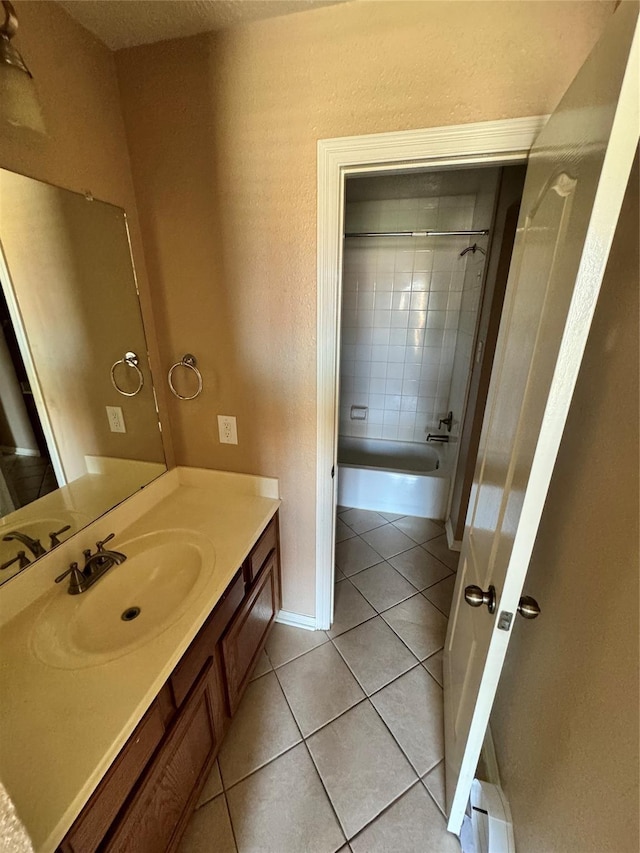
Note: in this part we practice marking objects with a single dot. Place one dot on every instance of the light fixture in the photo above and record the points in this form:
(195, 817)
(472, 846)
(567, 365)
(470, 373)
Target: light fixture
(19, 103)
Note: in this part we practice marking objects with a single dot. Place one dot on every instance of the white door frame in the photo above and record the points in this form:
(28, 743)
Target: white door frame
(457, 146)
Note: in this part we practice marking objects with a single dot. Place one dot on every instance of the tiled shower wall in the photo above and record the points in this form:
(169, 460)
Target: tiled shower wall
(400, 310)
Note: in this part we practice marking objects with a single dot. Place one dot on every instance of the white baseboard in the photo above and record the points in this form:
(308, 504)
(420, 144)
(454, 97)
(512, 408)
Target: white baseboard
(296, 620)
(21, 451)
(454, 544)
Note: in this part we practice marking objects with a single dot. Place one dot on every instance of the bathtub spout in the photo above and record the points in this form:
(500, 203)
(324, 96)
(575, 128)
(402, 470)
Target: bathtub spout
(442, 438)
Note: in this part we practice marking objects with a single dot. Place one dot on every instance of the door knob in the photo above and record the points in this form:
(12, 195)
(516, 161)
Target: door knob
(476, 597)
(528, 607)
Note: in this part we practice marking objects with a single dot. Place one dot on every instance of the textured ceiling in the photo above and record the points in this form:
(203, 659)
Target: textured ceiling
(125, 23)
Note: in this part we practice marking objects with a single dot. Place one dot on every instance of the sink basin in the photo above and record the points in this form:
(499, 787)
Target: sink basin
(129, 606)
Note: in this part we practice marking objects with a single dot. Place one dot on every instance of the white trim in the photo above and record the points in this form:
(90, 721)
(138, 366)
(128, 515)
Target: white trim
(454, 544)
(20, 451)
(466, 145)
(296, 620)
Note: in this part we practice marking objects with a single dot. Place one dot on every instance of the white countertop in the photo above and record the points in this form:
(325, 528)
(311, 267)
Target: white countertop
(60, 729)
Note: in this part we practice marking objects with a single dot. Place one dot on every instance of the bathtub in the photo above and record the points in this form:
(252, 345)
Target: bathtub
(408, 478)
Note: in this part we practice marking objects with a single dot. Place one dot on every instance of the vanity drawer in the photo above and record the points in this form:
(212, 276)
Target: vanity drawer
(160, 808)
(107, 800)
(202, 648)
(247, 634)
(267, 543)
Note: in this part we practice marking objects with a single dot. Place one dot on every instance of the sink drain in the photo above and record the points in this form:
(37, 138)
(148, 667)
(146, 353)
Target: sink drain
(130, 613)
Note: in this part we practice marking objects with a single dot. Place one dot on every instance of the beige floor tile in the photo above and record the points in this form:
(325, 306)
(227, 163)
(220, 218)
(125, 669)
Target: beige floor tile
(353, 555)
(350, 609)
(388, 541)
(361, 520)
(434, 782)
(262, 728)
(413, 824)
(374, 654)
(286, 643)
(318, 687)
(420, 568)
(343, 531)
(391, 516)
(361, 766)
(382, 586)
(419, 529)
(283, 808)
(211, 821)
(434, 666)
(441, 594)
(439, 548)
(412, 708)
(263, 665)
(419, 624)
(212, 787)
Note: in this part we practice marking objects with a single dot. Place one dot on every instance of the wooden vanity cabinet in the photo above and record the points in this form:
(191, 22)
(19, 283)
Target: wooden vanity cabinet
(146, 798)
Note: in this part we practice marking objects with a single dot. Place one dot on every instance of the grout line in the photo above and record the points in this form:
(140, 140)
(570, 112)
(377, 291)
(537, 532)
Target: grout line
(384, 810)
(233, 832)
(386, 684)
(328, 796)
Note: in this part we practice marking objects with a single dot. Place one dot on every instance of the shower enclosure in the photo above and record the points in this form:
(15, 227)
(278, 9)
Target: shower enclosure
(415, 252)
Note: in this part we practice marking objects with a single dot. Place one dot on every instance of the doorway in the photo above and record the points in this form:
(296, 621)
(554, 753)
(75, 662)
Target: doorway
(489, 144)
(26, 470)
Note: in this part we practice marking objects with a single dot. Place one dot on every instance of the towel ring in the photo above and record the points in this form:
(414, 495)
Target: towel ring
(190, 362)
(130, 359)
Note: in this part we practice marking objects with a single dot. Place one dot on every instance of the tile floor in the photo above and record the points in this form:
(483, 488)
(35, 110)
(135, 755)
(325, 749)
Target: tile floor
(339, 736)
(28, 477)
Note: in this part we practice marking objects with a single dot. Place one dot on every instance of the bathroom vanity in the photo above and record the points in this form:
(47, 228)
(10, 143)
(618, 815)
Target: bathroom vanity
(109, 734)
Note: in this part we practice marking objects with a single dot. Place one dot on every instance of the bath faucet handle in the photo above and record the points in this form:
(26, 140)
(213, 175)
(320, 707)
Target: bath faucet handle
(53, 536)
(22, 557)
(78, 581)
(100, 545)
(448, 422)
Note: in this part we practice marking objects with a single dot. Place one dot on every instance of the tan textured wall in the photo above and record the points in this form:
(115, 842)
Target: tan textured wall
(85, 145)
(565, 722)
(222, 133)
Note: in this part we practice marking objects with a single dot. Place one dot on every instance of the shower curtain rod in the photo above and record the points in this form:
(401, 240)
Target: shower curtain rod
(420, 233)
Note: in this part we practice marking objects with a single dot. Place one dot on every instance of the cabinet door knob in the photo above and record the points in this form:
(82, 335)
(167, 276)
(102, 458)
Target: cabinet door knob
(476, 597)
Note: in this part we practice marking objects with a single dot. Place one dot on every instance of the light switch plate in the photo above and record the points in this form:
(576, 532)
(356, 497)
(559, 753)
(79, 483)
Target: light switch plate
(116, 419)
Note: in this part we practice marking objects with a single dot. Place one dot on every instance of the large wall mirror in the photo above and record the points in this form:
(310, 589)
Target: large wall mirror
(79, 429)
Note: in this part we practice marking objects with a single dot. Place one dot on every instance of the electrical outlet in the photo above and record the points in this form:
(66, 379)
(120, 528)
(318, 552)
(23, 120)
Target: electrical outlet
(227, 429)
(116, 419)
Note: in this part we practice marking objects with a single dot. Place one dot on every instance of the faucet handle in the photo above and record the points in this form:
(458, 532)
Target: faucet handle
(21, 556)
(78, 582)
(100, 545)
(71, 570)
(55, 533)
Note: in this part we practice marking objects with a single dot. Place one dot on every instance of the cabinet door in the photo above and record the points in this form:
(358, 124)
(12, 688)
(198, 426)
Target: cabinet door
(89, 829)
(248, 631)
(162, 805)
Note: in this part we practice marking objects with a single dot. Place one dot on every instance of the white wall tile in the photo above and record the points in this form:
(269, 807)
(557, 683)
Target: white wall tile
(405, 302)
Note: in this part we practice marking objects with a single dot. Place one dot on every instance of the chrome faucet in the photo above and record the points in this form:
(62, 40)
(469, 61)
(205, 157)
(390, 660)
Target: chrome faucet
(33, 545)
(95, 565)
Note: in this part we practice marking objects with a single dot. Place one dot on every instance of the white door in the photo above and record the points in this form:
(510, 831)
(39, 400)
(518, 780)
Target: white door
(576, 179)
